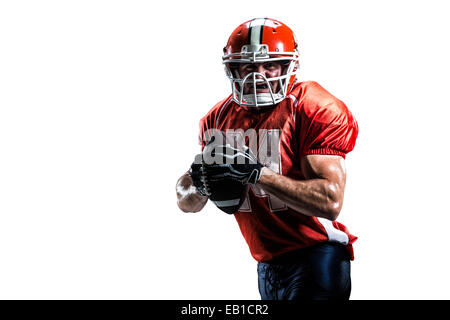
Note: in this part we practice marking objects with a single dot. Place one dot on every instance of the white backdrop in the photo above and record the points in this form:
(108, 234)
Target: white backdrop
(99, 110)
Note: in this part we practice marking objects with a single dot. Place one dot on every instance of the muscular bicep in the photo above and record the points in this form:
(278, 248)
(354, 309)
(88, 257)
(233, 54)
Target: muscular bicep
(329, 167)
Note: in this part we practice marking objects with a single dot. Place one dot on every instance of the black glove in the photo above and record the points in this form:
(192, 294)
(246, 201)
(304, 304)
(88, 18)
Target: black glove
(232, 163)
(222, 173)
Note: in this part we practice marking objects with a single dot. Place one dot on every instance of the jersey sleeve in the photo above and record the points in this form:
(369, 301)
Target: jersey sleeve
(203, 129)
(327, 126)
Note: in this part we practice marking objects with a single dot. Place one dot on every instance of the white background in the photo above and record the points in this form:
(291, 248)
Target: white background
(99, 110)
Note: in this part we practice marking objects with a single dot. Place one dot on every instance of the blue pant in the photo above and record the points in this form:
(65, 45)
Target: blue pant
(320, 272)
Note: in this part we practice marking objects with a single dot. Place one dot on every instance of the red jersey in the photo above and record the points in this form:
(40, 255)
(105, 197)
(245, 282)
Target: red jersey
(309, 121)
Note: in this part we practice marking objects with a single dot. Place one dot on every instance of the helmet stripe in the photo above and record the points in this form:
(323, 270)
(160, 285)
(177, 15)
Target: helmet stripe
(255, 32)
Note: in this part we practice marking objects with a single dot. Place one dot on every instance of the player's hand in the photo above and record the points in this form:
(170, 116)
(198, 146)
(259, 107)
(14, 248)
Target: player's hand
(222, 173)
(224, 162)
(231, 163)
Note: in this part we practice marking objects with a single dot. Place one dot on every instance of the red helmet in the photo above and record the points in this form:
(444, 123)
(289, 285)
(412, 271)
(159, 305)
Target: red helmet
(258, 41)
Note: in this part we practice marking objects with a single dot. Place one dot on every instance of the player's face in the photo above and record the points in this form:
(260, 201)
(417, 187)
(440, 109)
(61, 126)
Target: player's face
(268, 69)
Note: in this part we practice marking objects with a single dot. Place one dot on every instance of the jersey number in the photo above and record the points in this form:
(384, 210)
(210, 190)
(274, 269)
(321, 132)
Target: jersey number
(268, 141)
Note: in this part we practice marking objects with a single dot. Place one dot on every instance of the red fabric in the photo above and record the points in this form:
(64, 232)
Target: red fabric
(310, 121)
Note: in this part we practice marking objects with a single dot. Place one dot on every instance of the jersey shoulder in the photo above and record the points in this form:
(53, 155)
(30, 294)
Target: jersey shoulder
(316, 103)
(210, 118)
(327, 127)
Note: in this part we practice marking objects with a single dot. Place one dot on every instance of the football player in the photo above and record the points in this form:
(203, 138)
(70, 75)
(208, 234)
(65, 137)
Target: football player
(295, 191)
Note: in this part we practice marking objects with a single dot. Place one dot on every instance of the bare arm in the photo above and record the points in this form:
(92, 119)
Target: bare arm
(189, 200)
(321, 195)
